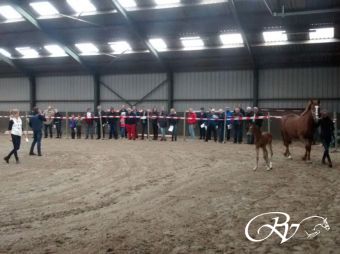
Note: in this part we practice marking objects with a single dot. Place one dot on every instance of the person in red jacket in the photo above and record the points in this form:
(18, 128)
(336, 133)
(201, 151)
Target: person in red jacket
(191, 121)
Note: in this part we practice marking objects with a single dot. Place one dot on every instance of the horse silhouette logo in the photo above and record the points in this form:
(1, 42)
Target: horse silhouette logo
(282, 228)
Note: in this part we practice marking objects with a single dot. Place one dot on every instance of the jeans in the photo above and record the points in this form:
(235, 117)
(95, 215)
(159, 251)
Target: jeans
(73, 133)
(112, 132)
(211, 128)
(78, 132)
(221, 133)
(174, 133)
(16, 140)
(238, 133)
(155, 131)
(122, 132)
(58, 127)
(326, 144)
(163, 132)
(89, 130)
(144, 129)
(48, 129)
(37, 135)
(191, 129)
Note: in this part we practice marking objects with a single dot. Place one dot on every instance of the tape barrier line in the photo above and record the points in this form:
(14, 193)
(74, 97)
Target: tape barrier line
(237, 118)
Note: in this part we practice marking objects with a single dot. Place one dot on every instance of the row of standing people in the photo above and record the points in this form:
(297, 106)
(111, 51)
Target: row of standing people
(124, 122)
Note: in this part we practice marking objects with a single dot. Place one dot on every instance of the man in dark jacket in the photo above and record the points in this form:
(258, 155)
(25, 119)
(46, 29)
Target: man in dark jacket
(211, 125)
(154, 123)
(238, 126)
(202, 123)
(99, 122)
(326, 130)
(220, 124)
(250, 136)
(144, 121)
(112, 120)
(58, 121)
(36, 123)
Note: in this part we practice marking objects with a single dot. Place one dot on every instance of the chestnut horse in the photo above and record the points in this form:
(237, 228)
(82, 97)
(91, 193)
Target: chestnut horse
(262, 139)
(300, 127)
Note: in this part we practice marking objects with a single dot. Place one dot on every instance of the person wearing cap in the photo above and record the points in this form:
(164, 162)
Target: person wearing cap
(191, 121)
(238, 126)
(202, 123)
(211, 125)
(326, 129)
(250, 136)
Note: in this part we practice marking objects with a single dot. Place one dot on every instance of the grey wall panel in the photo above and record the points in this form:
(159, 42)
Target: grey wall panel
(67, 106)
(182, 106)
(22, 106)
(329, 105)
(299, 84)
(146, 105)
(214, 85)
(134, 87)
(65, 88)
(14, 89)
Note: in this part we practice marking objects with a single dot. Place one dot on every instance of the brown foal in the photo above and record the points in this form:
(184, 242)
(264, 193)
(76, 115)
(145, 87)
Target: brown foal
(262, 139)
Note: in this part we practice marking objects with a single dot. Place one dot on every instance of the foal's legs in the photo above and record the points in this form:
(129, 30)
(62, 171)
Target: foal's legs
(271, 154)
(265, 157)
(257, 157)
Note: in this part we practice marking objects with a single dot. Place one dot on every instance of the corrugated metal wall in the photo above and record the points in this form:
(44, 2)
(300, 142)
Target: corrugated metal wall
(133, 88)
(70, 93)
(278, 88)
(213, 89)
(14, 93)
(291, 88)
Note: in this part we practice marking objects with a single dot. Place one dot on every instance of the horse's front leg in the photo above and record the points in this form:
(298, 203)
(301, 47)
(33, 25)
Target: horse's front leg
(309, 148)
(257, 158)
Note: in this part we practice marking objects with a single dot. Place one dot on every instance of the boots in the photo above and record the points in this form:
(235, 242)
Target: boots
(6, 159)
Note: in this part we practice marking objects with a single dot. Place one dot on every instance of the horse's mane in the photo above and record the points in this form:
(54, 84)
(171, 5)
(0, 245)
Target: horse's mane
(307, 109)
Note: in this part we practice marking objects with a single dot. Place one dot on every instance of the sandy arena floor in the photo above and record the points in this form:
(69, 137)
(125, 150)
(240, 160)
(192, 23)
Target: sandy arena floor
(154, 197)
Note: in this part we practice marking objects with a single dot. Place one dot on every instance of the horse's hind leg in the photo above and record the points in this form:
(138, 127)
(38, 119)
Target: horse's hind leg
(257, 158)
(271, 154)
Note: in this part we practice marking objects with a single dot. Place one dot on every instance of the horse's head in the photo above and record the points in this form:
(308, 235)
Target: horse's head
(314, 107)
(325, 224)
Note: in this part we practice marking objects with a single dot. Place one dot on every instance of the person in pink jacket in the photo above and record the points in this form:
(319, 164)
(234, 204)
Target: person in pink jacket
(191, 121)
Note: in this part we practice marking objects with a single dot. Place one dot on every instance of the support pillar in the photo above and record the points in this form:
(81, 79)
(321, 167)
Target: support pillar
(33, 92)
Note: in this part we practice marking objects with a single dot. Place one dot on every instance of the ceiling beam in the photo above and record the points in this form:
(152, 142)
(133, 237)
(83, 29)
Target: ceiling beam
(31, 19)
(15, 65)
(244, 36)
(132, 26)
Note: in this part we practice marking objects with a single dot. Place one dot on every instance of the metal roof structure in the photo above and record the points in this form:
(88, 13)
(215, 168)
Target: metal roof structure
(207, 19)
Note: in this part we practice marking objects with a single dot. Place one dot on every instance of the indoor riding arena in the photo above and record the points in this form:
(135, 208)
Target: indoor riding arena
(169, 126)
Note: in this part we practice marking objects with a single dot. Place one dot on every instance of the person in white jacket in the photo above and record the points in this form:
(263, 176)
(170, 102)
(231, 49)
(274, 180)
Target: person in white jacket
(15, 127)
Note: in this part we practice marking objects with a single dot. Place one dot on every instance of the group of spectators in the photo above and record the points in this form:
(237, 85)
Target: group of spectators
(125, 122)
